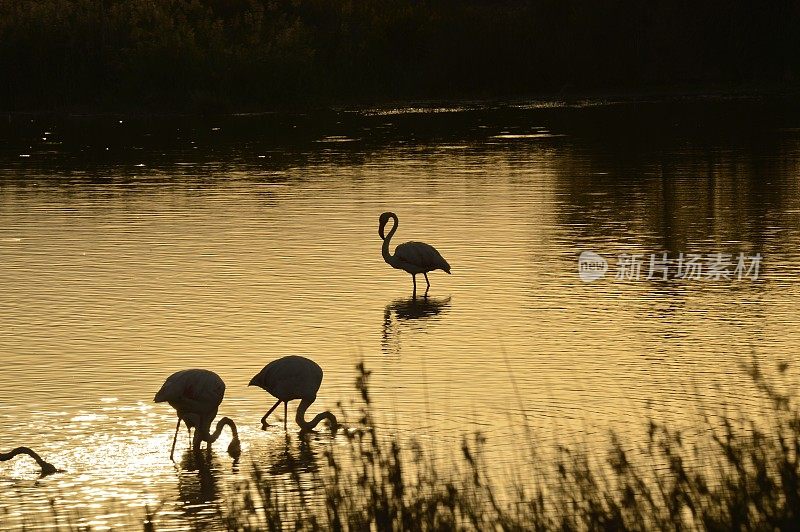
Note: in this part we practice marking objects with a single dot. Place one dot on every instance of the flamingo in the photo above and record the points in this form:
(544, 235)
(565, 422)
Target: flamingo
(293, 377)
(47, 468)
(196, 395)
(413, 257)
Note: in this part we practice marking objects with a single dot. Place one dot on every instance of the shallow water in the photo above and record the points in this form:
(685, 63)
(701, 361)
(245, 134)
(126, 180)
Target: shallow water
(132, 249)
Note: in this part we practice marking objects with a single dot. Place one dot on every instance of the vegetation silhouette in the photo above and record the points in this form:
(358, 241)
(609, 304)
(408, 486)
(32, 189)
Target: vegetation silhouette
(732, 473)
(215, 55)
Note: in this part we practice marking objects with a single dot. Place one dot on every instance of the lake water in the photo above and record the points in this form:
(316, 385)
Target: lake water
(132, 248)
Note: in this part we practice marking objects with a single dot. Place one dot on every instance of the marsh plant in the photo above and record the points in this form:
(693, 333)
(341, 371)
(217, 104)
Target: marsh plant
(732, 473)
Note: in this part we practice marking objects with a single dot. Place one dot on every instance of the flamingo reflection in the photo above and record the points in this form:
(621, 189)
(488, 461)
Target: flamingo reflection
(199, 485)
(409, 312)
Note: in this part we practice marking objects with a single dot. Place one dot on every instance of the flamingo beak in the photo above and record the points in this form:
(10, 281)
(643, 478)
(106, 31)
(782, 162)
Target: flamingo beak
(235, 449)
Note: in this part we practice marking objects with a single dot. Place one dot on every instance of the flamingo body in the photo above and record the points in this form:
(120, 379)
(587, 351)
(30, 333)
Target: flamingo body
(419, 257)
(289, 378)
(195, 394)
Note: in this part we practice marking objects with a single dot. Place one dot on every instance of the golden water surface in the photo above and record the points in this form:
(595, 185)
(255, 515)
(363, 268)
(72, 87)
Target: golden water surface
(129, 251)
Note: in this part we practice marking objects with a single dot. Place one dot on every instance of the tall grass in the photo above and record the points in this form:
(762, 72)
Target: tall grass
(244, 54)
(734, 473)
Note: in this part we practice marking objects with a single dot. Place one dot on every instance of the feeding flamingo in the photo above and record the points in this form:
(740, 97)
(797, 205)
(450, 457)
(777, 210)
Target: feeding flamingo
(196, 395)
(47, 468)
(289, 378)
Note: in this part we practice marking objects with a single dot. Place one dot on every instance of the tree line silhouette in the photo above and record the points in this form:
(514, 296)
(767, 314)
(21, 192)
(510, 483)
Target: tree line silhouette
(261, 54)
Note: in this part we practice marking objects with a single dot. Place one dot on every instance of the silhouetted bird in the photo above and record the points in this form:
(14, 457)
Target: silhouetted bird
(413, 257)
(47, 468)
(196, 395)
(290, 378)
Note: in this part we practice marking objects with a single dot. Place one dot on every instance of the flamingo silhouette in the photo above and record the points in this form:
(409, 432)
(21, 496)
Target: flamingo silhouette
(196, 395)
(413, 257)
(293, 377)
(47, 468)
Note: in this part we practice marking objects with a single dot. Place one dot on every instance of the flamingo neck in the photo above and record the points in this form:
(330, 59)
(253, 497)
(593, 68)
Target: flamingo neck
(387, 256)
(202, 434)
(310, 425)
(46, 467)
(220, 426)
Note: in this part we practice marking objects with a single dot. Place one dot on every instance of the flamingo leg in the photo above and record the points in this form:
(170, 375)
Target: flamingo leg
(285, 414)
(264, 419)
(414, 278)
(198, 439)
(427, 281)
(177, 428)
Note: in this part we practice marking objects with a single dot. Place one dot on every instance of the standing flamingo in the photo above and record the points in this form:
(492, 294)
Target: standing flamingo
(413, 257)
(293, 377)
(196, 395)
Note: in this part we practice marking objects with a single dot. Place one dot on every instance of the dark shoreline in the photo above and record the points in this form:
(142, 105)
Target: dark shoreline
(771, 92)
